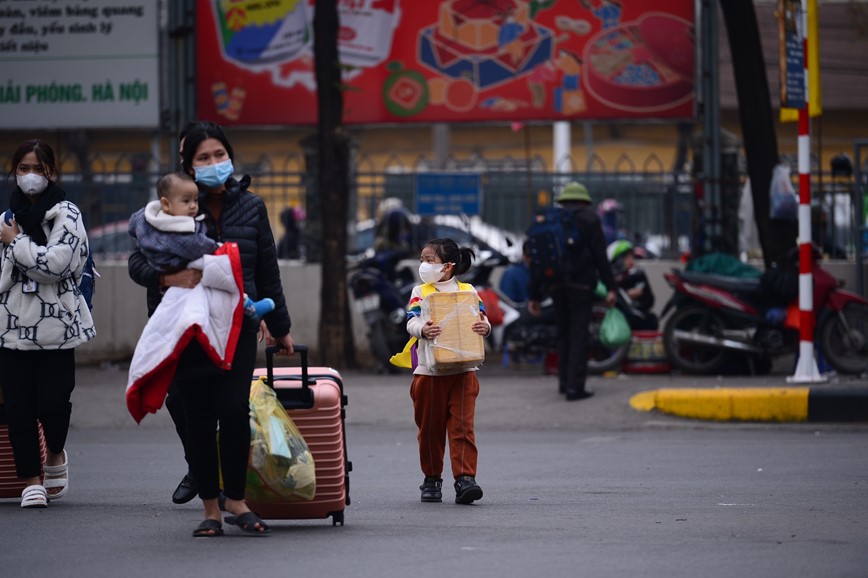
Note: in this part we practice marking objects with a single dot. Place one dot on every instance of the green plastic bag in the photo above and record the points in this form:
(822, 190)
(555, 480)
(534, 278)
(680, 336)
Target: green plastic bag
(614, 331)
(600, 290)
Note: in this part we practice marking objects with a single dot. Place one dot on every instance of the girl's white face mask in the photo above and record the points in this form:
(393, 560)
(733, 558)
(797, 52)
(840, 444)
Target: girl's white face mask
(431, 272)
(32, 184)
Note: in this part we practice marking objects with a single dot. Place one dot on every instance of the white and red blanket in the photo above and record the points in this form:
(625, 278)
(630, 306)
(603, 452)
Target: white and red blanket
(211, 313)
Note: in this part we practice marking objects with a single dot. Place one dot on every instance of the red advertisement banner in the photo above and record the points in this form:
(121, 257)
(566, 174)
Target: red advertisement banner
(450, 60)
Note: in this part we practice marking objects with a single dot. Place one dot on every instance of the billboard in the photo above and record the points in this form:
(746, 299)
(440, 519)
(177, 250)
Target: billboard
(79, 64)
(450, 60)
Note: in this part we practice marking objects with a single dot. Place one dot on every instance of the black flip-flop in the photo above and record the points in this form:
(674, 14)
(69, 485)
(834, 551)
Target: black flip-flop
(208, 529)
(247, 522)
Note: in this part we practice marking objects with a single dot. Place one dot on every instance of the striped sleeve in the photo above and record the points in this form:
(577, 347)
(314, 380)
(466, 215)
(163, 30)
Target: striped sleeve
(414, 309)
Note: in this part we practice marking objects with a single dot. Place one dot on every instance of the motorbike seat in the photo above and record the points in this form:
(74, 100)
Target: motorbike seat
(733, 284)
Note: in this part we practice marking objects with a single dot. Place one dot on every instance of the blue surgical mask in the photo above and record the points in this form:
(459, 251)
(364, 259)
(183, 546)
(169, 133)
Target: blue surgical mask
(214, 176)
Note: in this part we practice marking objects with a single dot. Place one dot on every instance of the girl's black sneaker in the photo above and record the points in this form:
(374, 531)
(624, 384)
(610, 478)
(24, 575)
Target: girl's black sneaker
(467, 490)
(431, 489)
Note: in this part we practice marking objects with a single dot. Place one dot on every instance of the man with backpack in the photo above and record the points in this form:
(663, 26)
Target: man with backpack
(568, 257)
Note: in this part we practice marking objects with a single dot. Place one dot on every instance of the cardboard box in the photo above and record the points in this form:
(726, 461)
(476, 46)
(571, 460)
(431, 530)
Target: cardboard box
(456, 312)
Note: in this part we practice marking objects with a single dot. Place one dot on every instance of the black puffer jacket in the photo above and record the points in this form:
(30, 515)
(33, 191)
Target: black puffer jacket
(244, 221)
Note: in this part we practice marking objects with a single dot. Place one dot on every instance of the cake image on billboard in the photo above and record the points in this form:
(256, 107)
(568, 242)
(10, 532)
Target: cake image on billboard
(252, 32)
(486, 43)
(641, 66)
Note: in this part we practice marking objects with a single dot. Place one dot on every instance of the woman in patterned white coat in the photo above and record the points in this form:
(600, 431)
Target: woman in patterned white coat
(43, 318)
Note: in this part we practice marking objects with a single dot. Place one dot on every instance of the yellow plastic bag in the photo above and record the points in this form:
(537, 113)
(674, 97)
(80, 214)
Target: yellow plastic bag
(281, 465)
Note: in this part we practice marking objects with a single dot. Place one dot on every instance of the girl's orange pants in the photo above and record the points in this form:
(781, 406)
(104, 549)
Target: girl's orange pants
(444, 405)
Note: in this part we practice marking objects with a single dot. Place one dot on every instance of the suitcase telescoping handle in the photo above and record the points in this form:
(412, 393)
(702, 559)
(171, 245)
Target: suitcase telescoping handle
(291, 398)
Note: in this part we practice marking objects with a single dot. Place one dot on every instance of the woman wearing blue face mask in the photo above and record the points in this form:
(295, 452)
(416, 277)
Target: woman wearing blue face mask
(211, 397)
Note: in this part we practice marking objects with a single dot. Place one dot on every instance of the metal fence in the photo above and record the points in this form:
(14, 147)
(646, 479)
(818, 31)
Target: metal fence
(657, 203)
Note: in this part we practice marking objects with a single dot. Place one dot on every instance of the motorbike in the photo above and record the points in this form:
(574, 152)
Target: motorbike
(381, 291)
(530, 338)
(717, 321)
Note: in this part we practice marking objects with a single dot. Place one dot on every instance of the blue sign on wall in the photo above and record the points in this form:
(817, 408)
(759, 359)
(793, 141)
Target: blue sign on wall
(448, 194)
(793, 94)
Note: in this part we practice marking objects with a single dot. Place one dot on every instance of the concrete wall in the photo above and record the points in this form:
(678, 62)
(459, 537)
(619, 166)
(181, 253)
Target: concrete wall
(120, 312)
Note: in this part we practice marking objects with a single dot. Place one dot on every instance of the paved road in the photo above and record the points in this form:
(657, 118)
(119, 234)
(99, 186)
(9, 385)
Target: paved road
(590, 488)
(519, 397)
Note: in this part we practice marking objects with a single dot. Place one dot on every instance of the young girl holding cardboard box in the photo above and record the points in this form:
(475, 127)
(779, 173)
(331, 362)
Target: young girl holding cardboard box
(448, 319)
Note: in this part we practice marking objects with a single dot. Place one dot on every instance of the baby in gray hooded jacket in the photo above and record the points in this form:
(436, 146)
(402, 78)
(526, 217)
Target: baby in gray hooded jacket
(170, 233)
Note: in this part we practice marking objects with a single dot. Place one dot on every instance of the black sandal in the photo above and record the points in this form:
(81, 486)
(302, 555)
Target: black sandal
(247, 522)
(208, 529)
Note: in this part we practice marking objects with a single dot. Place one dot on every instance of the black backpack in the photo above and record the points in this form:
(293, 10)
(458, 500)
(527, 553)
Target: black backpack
(553, 237)
(87, 283)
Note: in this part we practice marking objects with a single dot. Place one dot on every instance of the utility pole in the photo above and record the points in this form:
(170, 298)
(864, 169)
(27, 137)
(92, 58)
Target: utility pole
(335, 334)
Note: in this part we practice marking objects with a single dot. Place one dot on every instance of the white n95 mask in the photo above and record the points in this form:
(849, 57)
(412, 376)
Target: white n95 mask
(430, 272)
(32, 184)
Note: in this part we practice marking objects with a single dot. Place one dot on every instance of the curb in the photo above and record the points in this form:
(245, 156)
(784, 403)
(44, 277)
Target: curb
(781, 404)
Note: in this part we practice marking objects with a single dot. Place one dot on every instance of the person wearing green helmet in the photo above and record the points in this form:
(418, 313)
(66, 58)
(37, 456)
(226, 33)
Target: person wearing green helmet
(573, 299)
(631, 280)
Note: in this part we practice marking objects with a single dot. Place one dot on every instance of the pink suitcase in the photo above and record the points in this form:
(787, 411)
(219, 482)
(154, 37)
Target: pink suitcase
(10, 485)
(315, 400)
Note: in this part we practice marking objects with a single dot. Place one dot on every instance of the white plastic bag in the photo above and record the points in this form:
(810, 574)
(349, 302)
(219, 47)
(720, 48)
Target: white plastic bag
(457, 347)
(748, 236)
(784, 204)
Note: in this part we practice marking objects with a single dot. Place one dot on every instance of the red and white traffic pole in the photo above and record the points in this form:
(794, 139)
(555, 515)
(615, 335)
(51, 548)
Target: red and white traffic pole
(806, 368)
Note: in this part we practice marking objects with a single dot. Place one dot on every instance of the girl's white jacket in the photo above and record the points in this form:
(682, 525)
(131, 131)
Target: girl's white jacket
(52, 314)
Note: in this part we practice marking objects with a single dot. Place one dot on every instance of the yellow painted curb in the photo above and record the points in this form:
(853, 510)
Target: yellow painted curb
(726, 404)
(645, 401)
